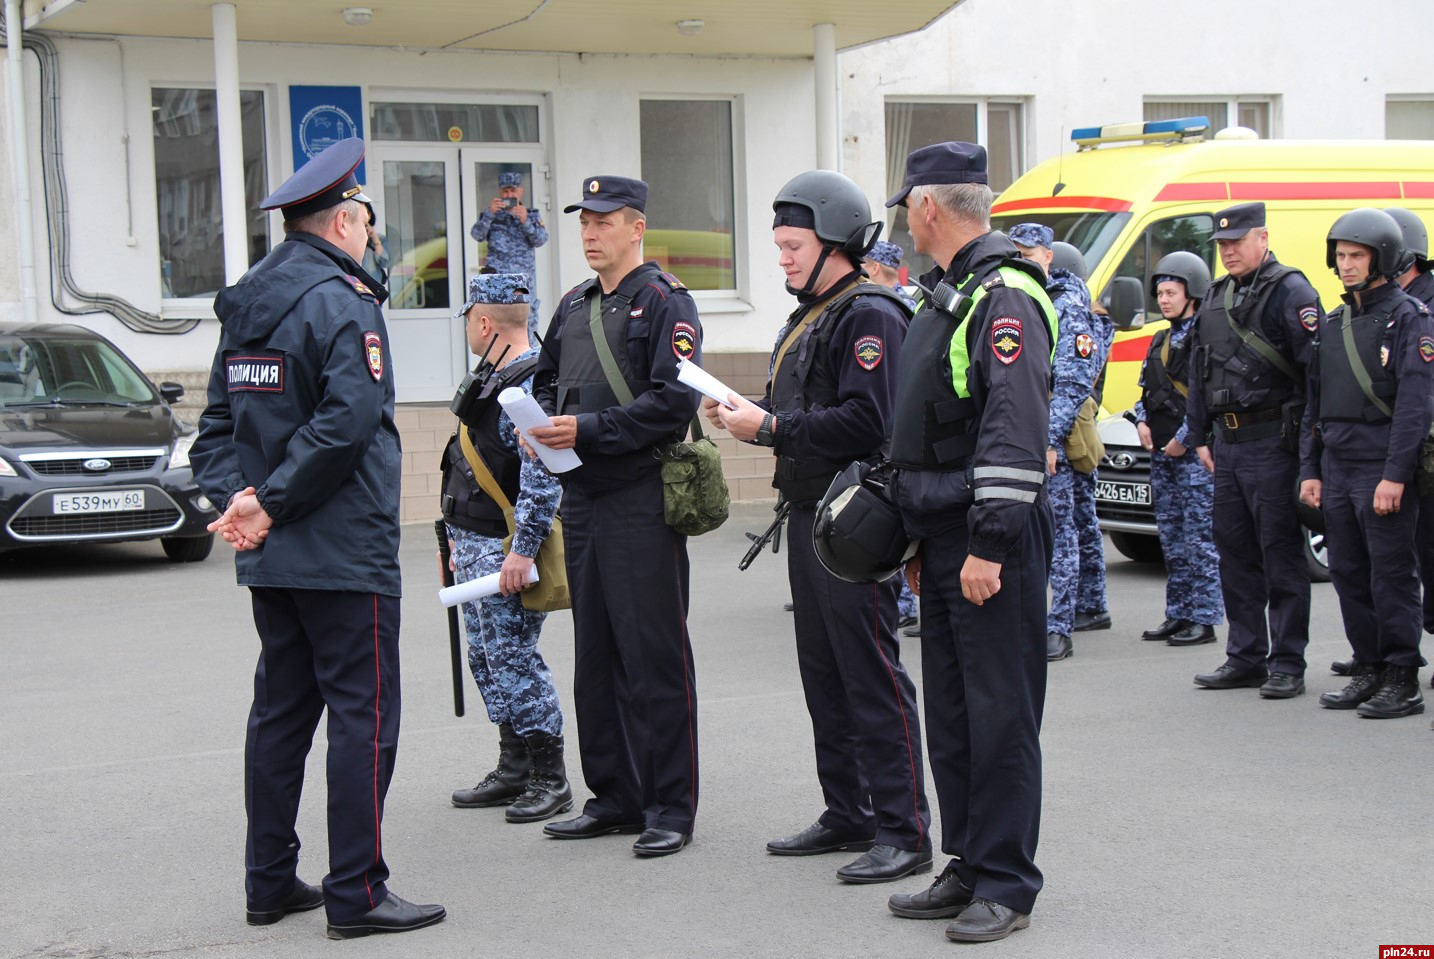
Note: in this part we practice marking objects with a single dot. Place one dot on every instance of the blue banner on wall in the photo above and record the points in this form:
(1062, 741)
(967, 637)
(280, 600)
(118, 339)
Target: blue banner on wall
(321, 116)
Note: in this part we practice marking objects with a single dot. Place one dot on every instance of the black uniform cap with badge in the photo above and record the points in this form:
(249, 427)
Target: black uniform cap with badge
(1235, 221)
(604, 194)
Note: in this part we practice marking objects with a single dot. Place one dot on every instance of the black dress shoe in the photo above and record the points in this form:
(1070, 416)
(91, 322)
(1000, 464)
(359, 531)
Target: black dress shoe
(1343, 667)
(817, 839)
(1282, 686)
(303, 898)
(1084, 622)
(1166, 629)
(883, 863)
(944, 898)
(391, 915)
(788, 607)
(1230, 676)
(586, 827)
(660, 842)
(986, 921)
(912, 630)
(1194, 634)
(906, 621)
(1363, 684)
(1058, 647)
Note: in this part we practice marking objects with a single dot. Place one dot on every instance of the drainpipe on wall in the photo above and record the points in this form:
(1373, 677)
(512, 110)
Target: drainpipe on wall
(825, 68)
(231, 142)
(20, 157)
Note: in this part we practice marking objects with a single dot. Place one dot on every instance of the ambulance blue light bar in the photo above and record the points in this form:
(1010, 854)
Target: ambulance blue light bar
(1183, 128)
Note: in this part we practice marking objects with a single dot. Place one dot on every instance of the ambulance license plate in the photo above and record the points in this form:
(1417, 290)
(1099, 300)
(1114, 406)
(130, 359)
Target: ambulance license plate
(1135, 494)
(110, 501)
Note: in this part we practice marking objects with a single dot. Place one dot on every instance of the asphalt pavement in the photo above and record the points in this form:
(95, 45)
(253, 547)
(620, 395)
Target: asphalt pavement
(1177, 821)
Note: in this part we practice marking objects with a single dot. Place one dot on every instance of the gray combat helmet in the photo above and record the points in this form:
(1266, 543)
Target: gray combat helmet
(840, 211)
(1065, 256)
(1372, 228)
(1416, 238)
(1186, 267)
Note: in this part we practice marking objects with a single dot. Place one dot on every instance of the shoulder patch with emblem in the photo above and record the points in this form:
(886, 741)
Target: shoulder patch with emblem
(373, 353)
(634, 314)
(684, 339)
(1426, 348)
(359, 287)
(1006, 338)
(1085, 344)
(869, 350)
(1309, 319)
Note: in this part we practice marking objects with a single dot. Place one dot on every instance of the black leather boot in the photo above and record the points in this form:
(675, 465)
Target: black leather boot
(1398, 695)
(1364, 682)
(505, 783)
(548, 792)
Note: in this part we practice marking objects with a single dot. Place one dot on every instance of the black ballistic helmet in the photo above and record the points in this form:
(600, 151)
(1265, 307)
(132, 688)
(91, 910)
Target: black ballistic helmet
(858, 534)
(1189, 268)
(1372, 228)
(1066, 257)
(1416, 238)
(840, 213)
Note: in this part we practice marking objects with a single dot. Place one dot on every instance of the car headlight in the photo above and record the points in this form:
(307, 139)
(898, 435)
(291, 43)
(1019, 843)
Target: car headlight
(6, 469)
(179, 457)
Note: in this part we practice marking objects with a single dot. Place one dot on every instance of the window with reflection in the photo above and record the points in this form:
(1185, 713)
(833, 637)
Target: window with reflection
(691, 205)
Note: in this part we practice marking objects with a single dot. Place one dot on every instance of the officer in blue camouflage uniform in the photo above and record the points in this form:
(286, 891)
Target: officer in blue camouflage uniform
(1371, 397)
(513, 232)
(517, 686)
(298, 441)
(1078, 559)
(1184, 490)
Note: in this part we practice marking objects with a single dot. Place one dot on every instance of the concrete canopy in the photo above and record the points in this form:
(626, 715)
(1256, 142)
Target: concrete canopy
(729, 27)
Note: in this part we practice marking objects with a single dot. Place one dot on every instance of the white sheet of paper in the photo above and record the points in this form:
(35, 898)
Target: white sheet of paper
(526, 414)
(697, 378)
(476, 589)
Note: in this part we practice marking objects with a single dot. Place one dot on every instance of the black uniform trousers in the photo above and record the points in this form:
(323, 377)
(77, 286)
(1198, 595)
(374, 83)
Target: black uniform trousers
(321, 648)
(983, 678)
(862, 702)
(1262, 555)
(1424, 542)
(1372, 563)
(634, 682)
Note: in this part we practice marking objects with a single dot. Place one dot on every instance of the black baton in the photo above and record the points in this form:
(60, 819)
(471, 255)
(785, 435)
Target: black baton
(441, 528)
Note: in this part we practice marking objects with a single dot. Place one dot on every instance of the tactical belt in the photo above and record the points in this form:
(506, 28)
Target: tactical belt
(1250, 425)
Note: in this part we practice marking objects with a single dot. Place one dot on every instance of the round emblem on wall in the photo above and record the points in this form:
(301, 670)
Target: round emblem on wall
(455, 134)
(323, 126)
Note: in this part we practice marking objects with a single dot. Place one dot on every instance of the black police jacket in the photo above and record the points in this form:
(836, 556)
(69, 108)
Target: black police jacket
(301, 407)
(1163, 385)
(1394, 338)
(651, 323)
(1422, 289)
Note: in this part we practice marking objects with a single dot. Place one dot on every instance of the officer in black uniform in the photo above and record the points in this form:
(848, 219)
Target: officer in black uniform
(298, 441)
(1252, 343)
(828, 403)
(969, 441)
(1371, 392)
(634, 688)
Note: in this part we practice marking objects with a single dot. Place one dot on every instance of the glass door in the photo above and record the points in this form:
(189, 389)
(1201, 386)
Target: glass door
(513, 220)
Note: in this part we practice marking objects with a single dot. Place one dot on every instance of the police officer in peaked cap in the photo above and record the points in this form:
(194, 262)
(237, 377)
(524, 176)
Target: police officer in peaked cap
(969, 440)
(1253, 339)
(828, 403)
(634, 687)
(298, 444)
(1371, 397)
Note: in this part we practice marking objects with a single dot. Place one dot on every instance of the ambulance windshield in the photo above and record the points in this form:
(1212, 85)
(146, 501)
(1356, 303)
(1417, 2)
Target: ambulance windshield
(1090, 231)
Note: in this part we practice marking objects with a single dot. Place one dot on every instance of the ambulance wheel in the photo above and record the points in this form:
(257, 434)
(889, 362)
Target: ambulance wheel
(1142, 549)
(1316, 556)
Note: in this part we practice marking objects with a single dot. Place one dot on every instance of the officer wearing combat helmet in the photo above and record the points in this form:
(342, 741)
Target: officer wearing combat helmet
(516, 684)
(1371, 397)
(1183, 489)
(828, 403)
(1253, 340)
(1078, 599)
(969, 439)
(299, 441)
(513, 232)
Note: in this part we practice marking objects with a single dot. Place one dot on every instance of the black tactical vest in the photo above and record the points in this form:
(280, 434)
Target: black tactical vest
(1235, 377)
(1340, 396)
(1422, 289)
(804, 381)
(582, 385)
(1164, 404)
(464, 504)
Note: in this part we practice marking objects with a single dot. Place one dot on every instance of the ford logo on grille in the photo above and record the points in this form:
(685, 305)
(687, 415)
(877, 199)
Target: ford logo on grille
(1121, 461)
(96, 465)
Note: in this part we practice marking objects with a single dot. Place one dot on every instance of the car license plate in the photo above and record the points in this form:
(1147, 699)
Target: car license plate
(110, 501)
(1136, 494)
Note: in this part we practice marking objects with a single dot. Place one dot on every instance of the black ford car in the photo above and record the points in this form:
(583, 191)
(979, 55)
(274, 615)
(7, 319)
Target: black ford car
(90, 450)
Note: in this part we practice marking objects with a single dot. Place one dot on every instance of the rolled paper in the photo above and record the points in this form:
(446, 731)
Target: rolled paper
(695, 377)
(526, 414)
(476, 589)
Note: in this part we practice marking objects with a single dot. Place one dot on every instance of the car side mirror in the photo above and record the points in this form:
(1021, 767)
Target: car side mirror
(171, 391)
(1124, 300)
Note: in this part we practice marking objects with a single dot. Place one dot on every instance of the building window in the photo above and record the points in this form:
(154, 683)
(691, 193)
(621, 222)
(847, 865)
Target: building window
(691, 205)
(186, 175)
(998, 125)
(455, 122)
(1409, 118)
(1255, 113)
